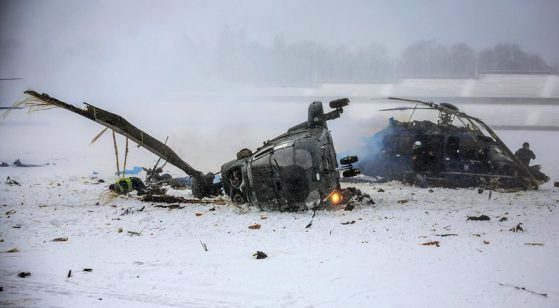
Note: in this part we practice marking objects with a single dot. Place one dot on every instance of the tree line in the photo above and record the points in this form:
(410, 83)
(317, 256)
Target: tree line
(307, 62)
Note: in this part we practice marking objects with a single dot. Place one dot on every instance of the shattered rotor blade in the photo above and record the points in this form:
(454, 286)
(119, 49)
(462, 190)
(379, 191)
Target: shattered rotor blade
(98, 135)
(123, 127)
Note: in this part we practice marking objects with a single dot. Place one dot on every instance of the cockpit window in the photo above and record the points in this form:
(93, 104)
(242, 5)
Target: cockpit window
(496, 153)
(286, 170)
(290, 156)
(303, 158)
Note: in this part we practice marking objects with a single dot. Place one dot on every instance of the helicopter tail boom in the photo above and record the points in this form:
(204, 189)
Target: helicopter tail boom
(123, 127)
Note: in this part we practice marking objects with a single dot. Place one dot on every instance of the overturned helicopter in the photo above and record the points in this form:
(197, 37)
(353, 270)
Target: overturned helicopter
(296, 170)
(458, 150)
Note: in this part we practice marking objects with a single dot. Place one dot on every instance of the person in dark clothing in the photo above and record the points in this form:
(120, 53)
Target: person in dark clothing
(524, 154)
(128, 185)
(425, 159)
(420, 157)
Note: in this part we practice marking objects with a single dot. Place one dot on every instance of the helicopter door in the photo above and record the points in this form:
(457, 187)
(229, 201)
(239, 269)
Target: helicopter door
(436, 153)
(453, 156)
(470, 149)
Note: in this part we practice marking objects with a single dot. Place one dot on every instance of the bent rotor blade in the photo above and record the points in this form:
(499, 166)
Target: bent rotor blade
(123, 127)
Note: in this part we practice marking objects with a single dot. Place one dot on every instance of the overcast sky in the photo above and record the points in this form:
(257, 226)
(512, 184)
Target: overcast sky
(532, 24)
(137, 46)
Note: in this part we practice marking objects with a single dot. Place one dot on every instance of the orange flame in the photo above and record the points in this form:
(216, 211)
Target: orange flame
(336, 197)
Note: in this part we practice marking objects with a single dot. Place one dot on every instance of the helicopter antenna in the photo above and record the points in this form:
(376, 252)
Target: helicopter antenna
(411, 116)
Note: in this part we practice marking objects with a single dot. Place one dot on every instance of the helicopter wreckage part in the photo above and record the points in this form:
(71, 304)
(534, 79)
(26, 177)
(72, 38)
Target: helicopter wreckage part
(294, 171)
(348, 160)
(447, 112)
(347, 167)
(203, 185)
(351, 173)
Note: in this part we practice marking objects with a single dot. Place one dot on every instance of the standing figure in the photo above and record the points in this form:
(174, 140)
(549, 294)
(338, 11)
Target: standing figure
(524, 154)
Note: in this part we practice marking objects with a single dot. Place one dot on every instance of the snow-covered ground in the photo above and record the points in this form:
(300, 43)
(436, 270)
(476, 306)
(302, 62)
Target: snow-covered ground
(376, 260)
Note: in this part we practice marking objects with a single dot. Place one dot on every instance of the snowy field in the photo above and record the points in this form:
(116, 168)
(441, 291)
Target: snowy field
(371, 256)
(377, 259)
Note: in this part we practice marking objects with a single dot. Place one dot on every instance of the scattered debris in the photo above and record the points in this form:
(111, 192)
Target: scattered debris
(348, 222)
(446, 234)
(69, 274)
(170, 206)
(260, 255)
(380, 190)
(11, 182)
(533, 244)
(119, 230)
(18, 163)
(431, 191)
(503, 219)
(204, 246)
(486, 242)
(518, 228)
(12, 250)
(24, 274)
(255, 227)
(175, 199)
(60, 239)
(213, 209)
(88, 270)
(198, 214)
(127, 211)
(478, 218)
(523, 289)
(132, 233)
(349, 207)
(309, 224)
(556, 184)
(403, 201)
(18, 226)
(432, 243)
(10, 212)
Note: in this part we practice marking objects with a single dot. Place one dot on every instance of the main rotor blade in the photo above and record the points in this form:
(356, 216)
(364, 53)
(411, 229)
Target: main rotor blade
(430, 104)
(406, 108)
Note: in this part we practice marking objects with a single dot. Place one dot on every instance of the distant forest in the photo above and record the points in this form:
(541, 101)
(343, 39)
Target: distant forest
(306, 62)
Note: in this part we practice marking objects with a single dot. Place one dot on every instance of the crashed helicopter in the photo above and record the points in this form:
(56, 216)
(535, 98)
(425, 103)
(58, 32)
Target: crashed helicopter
(294, 171)
(458, 150)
